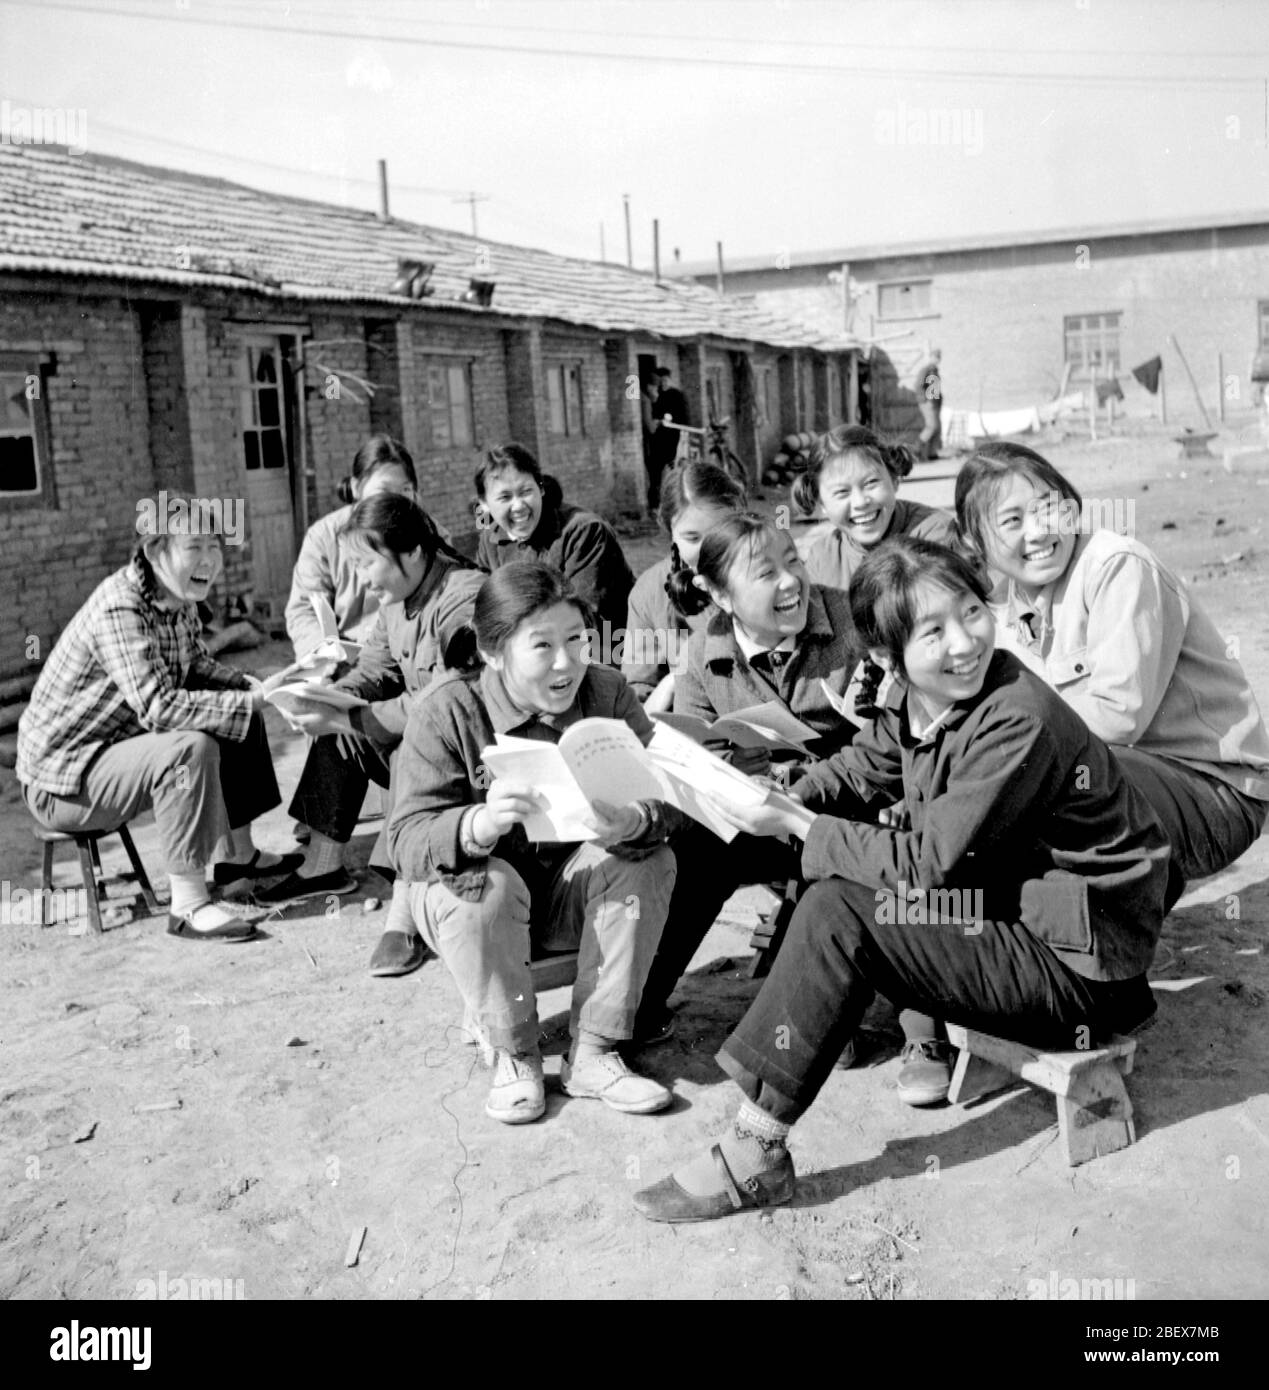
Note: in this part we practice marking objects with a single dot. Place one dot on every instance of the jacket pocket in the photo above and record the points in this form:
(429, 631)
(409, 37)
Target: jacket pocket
(1055, 909)
(1069, 668)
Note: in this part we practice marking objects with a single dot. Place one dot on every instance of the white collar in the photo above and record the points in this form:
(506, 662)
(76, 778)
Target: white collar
(750, 648)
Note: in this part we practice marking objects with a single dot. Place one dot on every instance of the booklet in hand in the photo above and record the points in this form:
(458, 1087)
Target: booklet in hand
(286, 694)
(769, 725)
(332, 645)
(603, 760)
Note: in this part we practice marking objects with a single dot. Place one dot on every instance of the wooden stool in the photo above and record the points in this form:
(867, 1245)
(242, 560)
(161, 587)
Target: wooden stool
(90, 869)
(1094, 1112)
(768, 936)
(552, 972)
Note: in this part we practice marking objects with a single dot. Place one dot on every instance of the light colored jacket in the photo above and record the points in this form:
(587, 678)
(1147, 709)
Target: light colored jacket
(1126, 645)
(325, 567)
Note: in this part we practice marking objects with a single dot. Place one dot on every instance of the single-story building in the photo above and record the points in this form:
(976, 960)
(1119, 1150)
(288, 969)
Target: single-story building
(164, 331)
(1017, 315)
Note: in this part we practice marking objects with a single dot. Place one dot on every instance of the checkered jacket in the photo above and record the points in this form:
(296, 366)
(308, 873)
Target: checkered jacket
(124, 667)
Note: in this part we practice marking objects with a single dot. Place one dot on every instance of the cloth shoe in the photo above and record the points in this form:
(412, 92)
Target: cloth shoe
(338, 882)
(606, 1077)
(224, 874)
(518, 1093)
(926, 1075)
(668, 1201)
(398, 953)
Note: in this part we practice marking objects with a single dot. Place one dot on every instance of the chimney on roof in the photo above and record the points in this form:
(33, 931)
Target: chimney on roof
(383, 190)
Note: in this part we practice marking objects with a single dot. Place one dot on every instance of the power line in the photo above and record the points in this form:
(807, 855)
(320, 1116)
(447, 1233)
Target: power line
(662, 59)
(341, 9)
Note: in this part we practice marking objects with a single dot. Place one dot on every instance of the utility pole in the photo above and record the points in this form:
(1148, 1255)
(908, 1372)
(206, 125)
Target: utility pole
(720, 267)
(603, 254)
(656, 250)
(383, 190)
(625, 198)
(473, 199)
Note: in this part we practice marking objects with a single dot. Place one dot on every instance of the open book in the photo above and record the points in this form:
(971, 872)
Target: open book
(305, 679)
(768, 725)
(603, 760)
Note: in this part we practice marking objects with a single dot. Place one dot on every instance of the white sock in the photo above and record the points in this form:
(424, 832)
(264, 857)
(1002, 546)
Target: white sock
(400, 916)
(189, 892)
(323, 856)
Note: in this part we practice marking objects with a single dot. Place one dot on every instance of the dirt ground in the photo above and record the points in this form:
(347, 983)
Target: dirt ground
(314, 1100)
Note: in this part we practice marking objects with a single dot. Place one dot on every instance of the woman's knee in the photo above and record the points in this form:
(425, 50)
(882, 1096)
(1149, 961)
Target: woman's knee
(829, 912)
(191, 749)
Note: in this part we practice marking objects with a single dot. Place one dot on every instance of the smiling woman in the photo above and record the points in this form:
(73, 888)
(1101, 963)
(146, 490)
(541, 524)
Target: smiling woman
(131, 713)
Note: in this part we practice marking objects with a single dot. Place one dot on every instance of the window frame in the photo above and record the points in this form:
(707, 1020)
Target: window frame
(450, 409)
(925, 311)
(1109, 347)
(565, 397)
(250, 391)
(42, 366)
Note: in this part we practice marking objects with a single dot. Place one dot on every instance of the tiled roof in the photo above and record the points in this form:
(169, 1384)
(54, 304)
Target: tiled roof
(96, 216)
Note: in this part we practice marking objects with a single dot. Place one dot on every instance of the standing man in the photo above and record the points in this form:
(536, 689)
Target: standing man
(670, 404)
(930, 389)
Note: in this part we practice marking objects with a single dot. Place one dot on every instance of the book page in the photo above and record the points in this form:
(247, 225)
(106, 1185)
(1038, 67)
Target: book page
(768, 725)
(610, 763)
(705, 772)
(285, 695)
(332, 645)
(564, 815)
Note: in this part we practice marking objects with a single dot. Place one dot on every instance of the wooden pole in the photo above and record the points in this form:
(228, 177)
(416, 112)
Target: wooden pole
(1092, 405)
(720, 267)
(603, 253)
(656, 249)
(1207, 419)
(1220, 387)
(625, 198)
(383, 190)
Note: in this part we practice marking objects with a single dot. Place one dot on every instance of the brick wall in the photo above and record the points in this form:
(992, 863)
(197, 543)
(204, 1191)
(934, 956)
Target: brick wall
(99, 438)
(582, 462)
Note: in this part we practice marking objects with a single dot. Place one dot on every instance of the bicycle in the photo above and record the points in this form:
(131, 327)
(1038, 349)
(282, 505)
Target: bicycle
(709, 443)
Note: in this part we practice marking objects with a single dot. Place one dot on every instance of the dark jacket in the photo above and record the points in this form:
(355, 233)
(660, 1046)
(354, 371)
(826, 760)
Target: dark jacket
(1010, 794)
(579, 544)
(408, 647)
(440, 773)
(718, 679)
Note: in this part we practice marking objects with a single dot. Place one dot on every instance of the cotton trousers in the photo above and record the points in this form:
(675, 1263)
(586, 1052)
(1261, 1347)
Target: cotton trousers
(333, 785)
(1207, 822)
(610, 909)
(843, 947)
(198, 785)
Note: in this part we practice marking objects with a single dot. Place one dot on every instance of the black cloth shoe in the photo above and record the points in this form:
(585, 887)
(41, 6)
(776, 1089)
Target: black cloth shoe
(667, 1201)
(398, 953)
(225, 874)
(231, 932)
(292, 888)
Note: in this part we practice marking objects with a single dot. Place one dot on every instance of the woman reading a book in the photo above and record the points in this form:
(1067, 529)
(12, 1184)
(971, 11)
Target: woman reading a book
(424, 592)
(130, 713)
(1038, 870)
(771, 637)
(327, 566)
(485, 895)
(695, 497)
(523, 516)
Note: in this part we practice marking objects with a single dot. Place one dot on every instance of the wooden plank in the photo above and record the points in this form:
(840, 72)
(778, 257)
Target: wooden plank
(1051, 1071)
(551, 972)
(1095, 1118)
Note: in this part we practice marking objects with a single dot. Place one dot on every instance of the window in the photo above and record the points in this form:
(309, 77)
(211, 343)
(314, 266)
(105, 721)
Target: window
(1264, 325)
(1092, 341)
(263, 429)
(906, 300)
(25, 465)
(564, 396)
(449, 405)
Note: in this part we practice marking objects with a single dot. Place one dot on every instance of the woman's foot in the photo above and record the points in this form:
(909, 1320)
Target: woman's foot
(605, 1076)
(518, 1093)
(926, 1075)
(339, 883)
(210, 922)
(741, 1171)
(398, 953)
(262, 863)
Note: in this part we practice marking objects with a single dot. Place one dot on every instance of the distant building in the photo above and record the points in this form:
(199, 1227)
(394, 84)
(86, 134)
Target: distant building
(1013, 312)
(160, 330)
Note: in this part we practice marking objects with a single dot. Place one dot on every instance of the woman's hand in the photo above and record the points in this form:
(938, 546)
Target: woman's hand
(661, 700)
(896, 816)
(314, 718)
(778, 815)
(613, 825)
(506, 804)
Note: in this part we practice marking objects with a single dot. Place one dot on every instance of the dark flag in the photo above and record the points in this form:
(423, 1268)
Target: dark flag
(1148, 374)
(1107, 389)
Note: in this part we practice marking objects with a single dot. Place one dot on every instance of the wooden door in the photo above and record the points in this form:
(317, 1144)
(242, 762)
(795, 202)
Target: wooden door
(267, 457)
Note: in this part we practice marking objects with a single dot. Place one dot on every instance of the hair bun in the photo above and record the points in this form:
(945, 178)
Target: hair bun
(344, 491)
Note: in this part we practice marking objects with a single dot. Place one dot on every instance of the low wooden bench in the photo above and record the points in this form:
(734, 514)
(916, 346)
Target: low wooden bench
(90, 870)
(1094, 1112)
(552, 972)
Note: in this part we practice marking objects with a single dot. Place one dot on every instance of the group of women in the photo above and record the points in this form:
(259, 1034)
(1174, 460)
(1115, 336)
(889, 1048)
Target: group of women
(1046, 721)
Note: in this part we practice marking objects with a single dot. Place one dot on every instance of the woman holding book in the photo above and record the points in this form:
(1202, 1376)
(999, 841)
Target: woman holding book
(424, 592)
(771, 637)
(130, 713)
(485, 896)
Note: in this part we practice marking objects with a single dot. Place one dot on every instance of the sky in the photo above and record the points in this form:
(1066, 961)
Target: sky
(774, 126)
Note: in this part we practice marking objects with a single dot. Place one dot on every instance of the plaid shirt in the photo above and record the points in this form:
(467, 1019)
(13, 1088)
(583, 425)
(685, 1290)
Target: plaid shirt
(124, 667)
